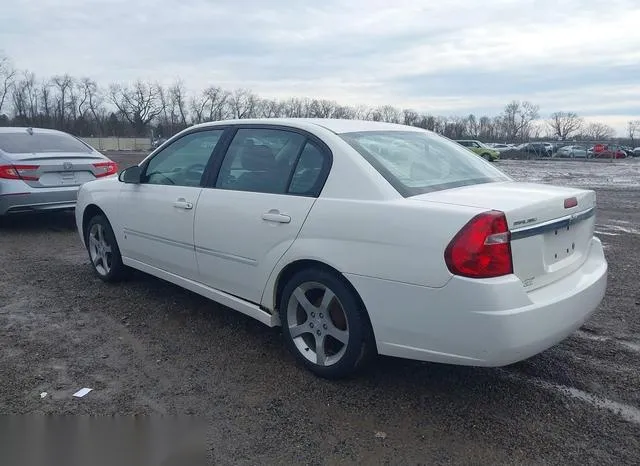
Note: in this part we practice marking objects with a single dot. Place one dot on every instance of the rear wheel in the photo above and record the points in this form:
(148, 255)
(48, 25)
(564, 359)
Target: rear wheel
(103, 250)
(324, 324)
(486, 157)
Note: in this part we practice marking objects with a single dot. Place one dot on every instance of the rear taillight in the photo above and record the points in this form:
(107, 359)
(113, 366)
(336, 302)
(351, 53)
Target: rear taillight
(482, 249)
(105, 169)
(19, 172)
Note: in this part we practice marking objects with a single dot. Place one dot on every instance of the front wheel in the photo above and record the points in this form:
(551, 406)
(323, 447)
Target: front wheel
(103, 250)
(486, 157)
(324, 324)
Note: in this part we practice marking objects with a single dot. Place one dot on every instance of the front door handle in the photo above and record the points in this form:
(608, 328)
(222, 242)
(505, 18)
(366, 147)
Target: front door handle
(183, 204)
(274, 215)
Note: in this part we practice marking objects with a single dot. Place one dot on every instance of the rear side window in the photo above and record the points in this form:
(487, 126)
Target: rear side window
(417, 162)
(307, 175)
(260, 160)
(25, 143)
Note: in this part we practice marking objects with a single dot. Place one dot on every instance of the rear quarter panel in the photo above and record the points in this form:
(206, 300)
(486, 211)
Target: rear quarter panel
(399, 240)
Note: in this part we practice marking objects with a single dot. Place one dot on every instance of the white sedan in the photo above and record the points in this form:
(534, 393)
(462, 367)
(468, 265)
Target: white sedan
(573, 151)
(358, 238)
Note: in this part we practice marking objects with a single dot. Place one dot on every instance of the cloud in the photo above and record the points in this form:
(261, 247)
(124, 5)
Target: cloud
(458, 56)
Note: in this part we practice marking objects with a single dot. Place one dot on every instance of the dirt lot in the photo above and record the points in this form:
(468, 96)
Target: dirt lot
(149, 347)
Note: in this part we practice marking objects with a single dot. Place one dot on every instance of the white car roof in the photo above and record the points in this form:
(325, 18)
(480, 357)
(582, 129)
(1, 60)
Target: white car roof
(335, 125)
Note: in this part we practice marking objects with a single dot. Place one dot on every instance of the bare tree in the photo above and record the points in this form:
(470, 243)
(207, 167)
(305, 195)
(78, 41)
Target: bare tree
(31, 92)
(271, 108)
(536, 130)
(7, 76)
(327, 108)
(564, 124)
(298, 108)
(64, 86)
(46, 103)
(517, 119)
(599, 131)
(177, 95)
(633, 128)
(243, 103)
(410, 117)
(210, 105)
(93, 100)
(139, 104)
(473, 127)
(344, 112)
(389, 114)
(20, 104)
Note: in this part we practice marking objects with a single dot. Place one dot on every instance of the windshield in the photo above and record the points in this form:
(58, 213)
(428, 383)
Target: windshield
(25, 143)
(419, 162)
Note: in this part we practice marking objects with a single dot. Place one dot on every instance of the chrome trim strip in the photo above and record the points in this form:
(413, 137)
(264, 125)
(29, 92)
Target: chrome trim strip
(562, 222)
(223, 255)
(159, 239)
(191, 247)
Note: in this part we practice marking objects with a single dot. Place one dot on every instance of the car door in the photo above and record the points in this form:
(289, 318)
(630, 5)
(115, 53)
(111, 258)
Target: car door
(157, 214)
(475, 147)
(265, 185)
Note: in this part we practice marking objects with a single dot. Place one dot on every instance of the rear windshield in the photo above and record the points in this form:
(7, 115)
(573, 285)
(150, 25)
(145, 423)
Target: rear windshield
(25, 143)
(420, 162)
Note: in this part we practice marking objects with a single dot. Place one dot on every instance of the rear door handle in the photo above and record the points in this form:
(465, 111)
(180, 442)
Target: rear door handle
(274, 215)
(183, 204)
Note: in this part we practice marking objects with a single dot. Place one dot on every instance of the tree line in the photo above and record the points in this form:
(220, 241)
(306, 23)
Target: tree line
(83, 107)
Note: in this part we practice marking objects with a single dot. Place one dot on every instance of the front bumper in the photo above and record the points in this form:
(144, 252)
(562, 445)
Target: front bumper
(491, 322)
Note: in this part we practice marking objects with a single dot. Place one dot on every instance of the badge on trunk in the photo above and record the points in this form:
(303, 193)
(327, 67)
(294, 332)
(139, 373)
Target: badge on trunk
(67, 166)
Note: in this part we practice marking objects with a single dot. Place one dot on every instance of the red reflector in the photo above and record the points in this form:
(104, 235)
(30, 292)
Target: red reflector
(482, 248)
(570, 202)
(105, 169)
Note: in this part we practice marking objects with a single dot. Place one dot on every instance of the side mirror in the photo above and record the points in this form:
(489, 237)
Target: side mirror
(131, 175)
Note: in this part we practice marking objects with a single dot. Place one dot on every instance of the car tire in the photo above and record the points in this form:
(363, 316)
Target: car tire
(103, 250)
(337, 320)
(486, 157)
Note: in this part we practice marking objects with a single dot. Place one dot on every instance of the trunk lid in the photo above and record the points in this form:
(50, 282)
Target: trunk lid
(59, 169)
(548, 240)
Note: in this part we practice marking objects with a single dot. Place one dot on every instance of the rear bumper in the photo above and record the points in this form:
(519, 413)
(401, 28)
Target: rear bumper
(481, 322)
(17, 199)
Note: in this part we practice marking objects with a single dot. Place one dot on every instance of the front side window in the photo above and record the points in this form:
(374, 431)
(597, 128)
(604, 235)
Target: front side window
(182, 163)
(417, 162)
(260, 160)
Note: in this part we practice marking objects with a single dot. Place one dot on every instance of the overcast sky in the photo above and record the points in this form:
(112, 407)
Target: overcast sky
(446, 57)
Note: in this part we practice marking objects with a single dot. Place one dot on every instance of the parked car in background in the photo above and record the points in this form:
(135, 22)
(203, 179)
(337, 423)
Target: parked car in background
(636, 152)
(42, 169)
(605, 151)
(541, 149)
(357, 237)
(572, 151)
(480, 148)
(502, 147)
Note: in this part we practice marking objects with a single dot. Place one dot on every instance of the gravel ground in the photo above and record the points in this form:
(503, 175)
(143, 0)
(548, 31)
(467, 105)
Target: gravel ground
(146, 347)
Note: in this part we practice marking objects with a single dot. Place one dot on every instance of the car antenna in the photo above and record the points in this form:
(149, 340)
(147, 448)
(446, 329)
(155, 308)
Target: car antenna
(30, 130)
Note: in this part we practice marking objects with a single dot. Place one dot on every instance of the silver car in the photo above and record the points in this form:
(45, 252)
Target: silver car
(573, 151)
(42, 169)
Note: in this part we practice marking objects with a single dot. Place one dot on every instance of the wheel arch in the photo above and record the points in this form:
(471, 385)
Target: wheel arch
(90, 211)
(296, 266)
